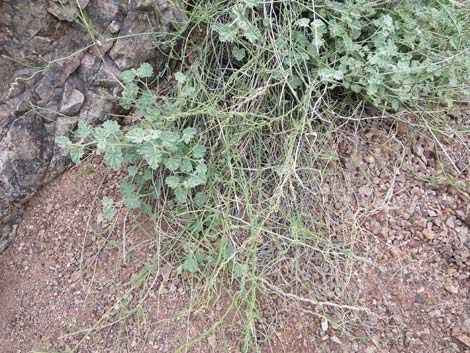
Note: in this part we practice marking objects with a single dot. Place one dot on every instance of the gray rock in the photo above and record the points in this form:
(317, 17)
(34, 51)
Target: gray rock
(107, 75)
(64, 79)
(72, 101)
(114, 27)
(141, 19)
(127, 51)
(98, 106)
(63, 12)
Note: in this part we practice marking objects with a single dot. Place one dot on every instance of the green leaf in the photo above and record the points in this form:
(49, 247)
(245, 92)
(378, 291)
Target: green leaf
(188, 134)
(303, 22)
(84, 129)
(228, 252)
(200, 256)
(107, 206)
(172, 181)
(318, 27)
(127, 188)
(145, 70)
(132, 170)
(152, 114)
(132, 201)
(63, 141)
(239, 270)
(148, 175)
(227, 33)
(147, 98)
(199, 151)
(128, 75)
(126, 103)
(111, 127)
(295, 81)
(200, 199)
(188, 91)
(154, 134)
(76, 154)
(170, 139)
(252, 34)
(238, 53)
(181, 195)
(113, 157)
(190, 265)
(251, 3)
(356, 88)
(186, 166)
(201, 169)
(151, 153)
(328, 74)
(395, 104)
(146, 208)
(199, 178)
(101, 135)
(136, 135)
(131, 90)
(194, 180)
(180, 77)
(172, 163)
(267, 22)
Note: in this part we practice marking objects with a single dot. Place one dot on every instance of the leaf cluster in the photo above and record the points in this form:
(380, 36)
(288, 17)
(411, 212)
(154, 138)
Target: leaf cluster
(152, 147)
(390, 54)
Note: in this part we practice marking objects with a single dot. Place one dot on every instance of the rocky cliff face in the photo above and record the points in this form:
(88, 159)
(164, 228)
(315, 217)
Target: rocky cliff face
(55, 71)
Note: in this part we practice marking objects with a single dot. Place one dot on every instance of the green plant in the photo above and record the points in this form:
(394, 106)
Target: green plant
(251, 121)
(153, 146)
(390, 53)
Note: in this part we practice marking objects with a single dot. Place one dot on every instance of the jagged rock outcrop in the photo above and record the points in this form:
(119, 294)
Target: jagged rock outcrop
(54, 71)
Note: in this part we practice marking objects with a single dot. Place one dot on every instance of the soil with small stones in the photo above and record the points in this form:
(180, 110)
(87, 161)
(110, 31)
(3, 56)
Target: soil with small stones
(415, 227)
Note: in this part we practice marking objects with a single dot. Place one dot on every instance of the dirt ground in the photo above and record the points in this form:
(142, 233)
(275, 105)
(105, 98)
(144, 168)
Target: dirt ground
(416, 231)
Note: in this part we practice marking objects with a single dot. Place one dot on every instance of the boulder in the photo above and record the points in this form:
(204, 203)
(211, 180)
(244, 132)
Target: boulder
(55, 71)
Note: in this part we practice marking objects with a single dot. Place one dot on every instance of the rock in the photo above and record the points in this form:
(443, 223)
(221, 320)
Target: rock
(97, 107)
(451, 222)
(76, 82)
(72, 101)
(451, 289)
(421, 300)
(212, 340)
(369, 159)
(63, 12)
(464, 339)
(127, 51)
(324, 324)
(99, 218)
(336, 340)
(49, 208)
(448, 201)
(114, 27)
(451, 271)
(421, 223)
(402, 128)
(366, 190)
(418, 148)
(107, 75)
(428, 234)
(467, 221)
